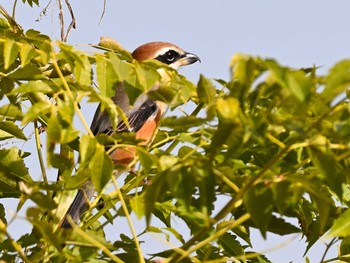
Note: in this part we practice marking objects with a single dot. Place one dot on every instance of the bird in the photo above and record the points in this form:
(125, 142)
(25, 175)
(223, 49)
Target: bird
(143, 117)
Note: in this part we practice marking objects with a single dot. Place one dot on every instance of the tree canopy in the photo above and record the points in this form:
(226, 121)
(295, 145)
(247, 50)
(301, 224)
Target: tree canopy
(271, 145)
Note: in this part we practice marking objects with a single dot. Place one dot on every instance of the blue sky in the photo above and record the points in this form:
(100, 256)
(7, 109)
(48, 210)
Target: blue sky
(296, 33)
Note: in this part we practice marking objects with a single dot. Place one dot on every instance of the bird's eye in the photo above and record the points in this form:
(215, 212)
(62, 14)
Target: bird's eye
(170, 56)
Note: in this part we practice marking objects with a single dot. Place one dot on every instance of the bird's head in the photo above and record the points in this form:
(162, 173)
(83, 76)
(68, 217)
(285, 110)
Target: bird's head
(165, 52)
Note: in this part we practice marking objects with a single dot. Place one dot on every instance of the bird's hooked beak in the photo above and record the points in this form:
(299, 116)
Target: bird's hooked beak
(188, 59)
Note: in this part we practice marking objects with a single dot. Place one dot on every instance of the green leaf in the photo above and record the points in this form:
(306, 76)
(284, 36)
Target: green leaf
(146, 77)
(28, 72)
(137, 204)
(83, 71)
(31, 2)
(34, 87)
(185, 90)
(26, 53)
(53, 135)
(4, 24)
(12, 129)
(11, 49)
(206, 90)
(79, 62)
(6, 86)
(244, 72)
(132, 92)
(329, 168)
(228, 109)
(147, 160)
(86, 149)
(12, 166)
(281, 227)
(153, 194)
(345, 247)
(182, 123)
(229, 138)
(100, 165)
(295, 81)
(106, 76)
(37, 110)
(341, 226)
(230, 245)
(257, 201)
(337, 80)
(11, 111)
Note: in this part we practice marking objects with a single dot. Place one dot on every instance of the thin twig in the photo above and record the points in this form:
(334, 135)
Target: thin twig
(61, 18)
(103, 11)
(43, 12)
(72, 23)
(70, 94)
(127, 214)
(16, 27)
(14, 9)
(333, 241)
(14, 244)
(219, 233)
(38, 148)
(93, 241)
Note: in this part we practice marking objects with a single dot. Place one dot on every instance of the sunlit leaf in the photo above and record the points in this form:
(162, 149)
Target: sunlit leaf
(28, 72)
(13, 165)
(98, 162)
(295, 81)
(37, 110)
(206, 90)
(11, 49)
(26, 53)
(228, 109)
(341, 226)
(12, 129)
(147, 160)
(137, 204)
(106, 76)
(11, 111)
(337, 81)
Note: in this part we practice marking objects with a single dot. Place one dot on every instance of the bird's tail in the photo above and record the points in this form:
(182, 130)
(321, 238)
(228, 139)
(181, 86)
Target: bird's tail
(79, 205)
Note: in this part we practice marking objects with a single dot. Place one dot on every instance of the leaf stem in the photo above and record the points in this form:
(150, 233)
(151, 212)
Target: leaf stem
(125, 209)
(68, 90)
(331, 243)
(38, 148)
(194, 113)
(93, 241)
(14, 244)
(218, 234)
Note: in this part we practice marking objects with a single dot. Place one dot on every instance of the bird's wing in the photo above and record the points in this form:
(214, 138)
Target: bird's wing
(136, 120)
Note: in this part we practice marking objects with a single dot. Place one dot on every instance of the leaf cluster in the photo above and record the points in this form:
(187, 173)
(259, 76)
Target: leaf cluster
(265, 149)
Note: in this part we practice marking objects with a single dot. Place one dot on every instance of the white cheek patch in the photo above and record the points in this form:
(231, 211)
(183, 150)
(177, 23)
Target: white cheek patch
(163, 50)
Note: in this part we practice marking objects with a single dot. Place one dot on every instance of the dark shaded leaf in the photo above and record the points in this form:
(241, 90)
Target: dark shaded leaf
(329, 169)
(230, 245)
(257, 201)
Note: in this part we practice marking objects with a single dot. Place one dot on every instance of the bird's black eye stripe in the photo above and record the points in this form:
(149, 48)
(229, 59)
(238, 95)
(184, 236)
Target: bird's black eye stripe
(169, 57)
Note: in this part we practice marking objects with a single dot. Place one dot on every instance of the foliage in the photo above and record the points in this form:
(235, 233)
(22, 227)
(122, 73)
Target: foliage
(272, 141)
